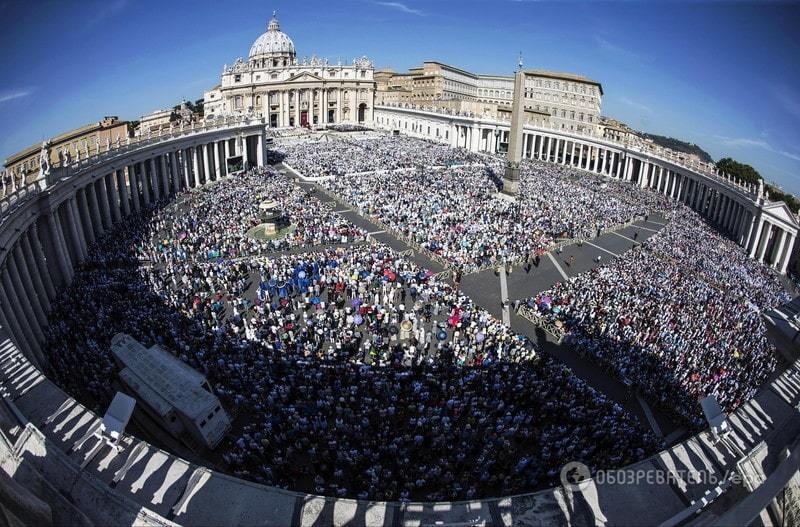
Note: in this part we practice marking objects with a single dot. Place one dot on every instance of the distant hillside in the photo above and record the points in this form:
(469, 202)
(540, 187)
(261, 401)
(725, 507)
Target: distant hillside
(680, 146)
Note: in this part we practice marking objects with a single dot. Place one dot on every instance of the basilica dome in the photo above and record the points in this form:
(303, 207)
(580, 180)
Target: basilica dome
(273, 42)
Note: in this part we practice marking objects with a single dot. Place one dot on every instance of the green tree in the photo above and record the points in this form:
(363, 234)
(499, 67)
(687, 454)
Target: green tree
(739, 170)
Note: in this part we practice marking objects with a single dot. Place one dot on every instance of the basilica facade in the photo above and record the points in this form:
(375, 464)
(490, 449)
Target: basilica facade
(273, 84)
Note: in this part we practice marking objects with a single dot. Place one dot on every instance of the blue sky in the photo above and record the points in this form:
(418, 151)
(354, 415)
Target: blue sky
(725, 75)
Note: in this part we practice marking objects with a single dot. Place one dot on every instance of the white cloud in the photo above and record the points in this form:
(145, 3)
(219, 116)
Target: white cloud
(613, 49)
(401, 7)
(746, 142)
(10, 96)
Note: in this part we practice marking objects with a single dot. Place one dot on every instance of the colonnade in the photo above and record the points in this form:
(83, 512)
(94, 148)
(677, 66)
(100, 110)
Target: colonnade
(42, 259)
(307, 105)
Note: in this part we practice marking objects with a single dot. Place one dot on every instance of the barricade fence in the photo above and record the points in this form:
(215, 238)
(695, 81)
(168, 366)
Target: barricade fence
(540, 322)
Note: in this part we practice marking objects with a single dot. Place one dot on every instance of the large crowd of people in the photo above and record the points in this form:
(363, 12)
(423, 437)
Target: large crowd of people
(349, 370)
(352, 372)
(677, 318)
(217, 220)
(340, 155)
(463, 221)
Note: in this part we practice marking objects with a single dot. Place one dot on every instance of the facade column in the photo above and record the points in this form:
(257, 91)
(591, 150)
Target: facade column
(175, 172)
(750, 220)
(111, 185)
(246, 152)
(777, 251)
(165, 176)
(206, 167)
(77, 233)
(260, 157)
(34, 271)
(764, 241)
(787, 255)
(86, 217)
(12, 322)
(96, 216)
(105, 209)
(217, 171)
(147, 190)
(21, 274)
(644, 170)
(296, 108)
(195, 166)
(155, 181)
(572, 155)
(15, 308)
(11, 280)
(133, 179)
(124, 200)
(62, 259)
(184, 164)
(41, 262)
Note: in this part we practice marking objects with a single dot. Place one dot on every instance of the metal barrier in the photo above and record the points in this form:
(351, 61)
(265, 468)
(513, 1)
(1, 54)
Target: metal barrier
(538, 321)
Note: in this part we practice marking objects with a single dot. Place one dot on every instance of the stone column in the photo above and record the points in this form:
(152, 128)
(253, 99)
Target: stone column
(86, 223)
(195, 166)
(25, 337)
(15, 331)
(227, 152)
(147, 186)
(96, 215)
(260, 150)
(155, 186)
(184, 164)
(175, 172)
(749, 226)
(112, 181)
(133, 179)
(165, 177)
(297, 108)
(105, 209)
(777, 250)
(41, 262)
(644, 170)
(20, 273)
(246, 153)
(124, 200)
(765, 236)
(217, 171)
(35, 271)
(756, 246)
(11, 281)
(206, 168)
(787, 255)
(62, 258)
(324, 106)
(77, 236)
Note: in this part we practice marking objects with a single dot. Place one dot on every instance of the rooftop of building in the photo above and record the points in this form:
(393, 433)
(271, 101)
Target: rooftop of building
(162, 380)
(564, 76)
(106, 122)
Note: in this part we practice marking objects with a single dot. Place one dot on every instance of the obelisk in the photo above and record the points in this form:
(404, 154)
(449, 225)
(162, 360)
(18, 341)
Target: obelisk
(514, 155)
